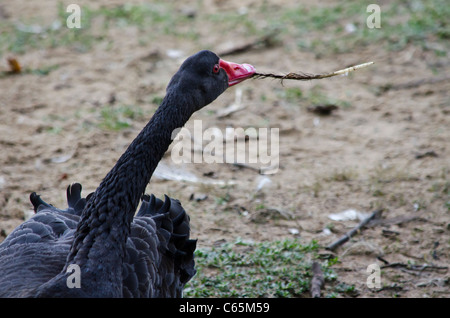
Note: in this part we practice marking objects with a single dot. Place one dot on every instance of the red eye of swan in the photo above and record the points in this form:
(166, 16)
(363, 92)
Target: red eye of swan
(216, 68)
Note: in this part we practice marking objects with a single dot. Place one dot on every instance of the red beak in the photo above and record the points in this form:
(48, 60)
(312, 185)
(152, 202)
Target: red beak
(236, 72)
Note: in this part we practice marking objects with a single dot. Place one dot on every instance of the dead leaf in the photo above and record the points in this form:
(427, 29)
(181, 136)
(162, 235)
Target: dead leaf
(14, 66)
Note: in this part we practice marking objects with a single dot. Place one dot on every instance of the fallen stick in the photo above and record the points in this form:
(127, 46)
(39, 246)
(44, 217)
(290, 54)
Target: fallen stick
(242, 165)
(414, 84)
(267, 40)
(420, 268)
(397, 220)
(317, 280)
(307, 77)
(344, 238)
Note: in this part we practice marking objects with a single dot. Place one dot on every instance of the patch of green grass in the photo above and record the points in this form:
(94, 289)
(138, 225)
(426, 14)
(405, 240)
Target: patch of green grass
(315, 188)
(222, 200)
(312, 97)
(159, 17)
(157, 99)
(21, 36)
(129, 14)
(323, 29)
(54, 130)
(343, 175)
(118, 118)
(267, 269)
(429, 17)
(42, 71)
(240, 23)
(293, 94)
(343, 289)
(441, 192)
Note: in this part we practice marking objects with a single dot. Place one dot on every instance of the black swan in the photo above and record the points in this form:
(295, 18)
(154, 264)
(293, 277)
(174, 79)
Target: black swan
(118, 253)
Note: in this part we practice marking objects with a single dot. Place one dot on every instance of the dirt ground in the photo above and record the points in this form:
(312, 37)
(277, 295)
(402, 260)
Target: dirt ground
(380, 149)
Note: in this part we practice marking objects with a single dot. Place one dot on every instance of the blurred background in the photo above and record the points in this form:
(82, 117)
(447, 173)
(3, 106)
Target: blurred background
(72, 99)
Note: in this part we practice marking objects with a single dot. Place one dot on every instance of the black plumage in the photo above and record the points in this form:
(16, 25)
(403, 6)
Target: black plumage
(120, 253)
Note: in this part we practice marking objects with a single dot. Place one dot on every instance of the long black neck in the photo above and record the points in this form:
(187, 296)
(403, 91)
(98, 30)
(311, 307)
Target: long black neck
(100, 240)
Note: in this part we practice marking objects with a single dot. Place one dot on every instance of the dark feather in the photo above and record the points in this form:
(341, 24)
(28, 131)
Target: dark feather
(148, 245)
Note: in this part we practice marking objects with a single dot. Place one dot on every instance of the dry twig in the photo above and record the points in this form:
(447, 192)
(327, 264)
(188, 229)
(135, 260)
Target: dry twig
(420, 268)
(397, 220)
(411, 268)
(307, 77)
(266, 40)
(349, 234)
(414, 83)
(317, 280)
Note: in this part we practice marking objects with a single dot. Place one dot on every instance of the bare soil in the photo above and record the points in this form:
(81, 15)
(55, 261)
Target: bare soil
(385, 150)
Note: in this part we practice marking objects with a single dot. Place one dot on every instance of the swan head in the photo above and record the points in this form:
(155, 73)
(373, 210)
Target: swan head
(204, 76)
